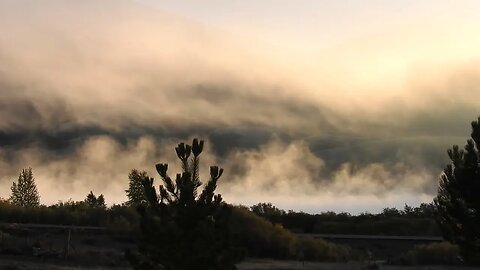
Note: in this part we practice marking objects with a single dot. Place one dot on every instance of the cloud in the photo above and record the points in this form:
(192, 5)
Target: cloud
(280, 172)
(91, 90)
(273, 171)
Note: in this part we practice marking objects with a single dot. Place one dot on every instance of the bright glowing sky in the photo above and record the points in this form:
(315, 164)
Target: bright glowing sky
(312, 105)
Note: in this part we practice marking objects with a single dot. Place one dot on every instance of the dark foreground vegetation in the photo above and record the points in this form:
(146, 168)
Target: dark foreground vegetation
(250, 234)
(178, 226)
(391, 221)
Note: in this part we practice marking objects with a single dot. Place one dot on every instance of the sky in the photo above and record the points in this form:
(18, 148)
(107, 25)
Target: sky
(311, 105)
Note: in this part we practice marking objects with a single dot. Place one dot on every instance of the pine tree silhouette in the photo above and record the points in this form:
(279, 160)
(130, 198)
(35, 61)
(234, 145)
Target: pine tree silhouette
(101, 201)
(457, 203)
(24, 192)
(181, 228)
(135, 191)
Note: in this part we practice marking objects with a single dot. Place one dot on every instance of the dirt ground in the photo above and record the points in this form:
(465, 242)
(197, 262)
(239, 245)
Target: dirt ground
(28, 263)
(294, 265)
(12, 263)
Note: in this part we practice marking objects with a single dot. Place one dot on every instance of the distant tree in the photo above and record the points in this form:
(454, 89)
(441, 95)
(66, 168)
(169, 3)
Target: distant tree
(94, 201)
(101, 201)
(181, 228)
(91, 199)
(24, 191)
(408, 210)
(391, 212)
(135, 191)
(266, 209)
(426, 209)
(457, 203)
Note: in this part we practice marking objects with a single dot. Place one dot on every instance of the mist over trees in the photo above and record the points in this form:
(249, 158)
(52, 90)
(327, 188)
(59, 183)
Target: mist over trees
(458, 200)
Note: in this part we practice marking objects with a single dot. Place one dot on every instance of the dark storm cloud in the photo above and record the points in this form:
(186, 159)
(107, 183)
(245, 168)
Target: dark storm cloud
(388, 162)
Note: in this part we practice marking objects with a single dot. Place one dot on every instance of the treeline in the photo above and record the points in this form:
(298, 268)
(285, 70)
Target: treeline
(256, 236)
(262, 230)
(124, 217)
(23, 206)
(391, 221)
(252, 235)
(75, 213)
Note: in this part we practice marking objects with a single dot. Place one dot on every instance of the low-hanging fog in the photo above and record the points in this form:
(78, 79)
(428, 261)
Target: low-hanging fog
(328, 113)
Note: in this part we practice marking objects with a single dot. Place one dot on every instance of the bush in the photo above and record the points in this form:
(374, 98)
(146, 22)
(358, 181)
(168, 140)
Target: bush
(321, 250)
(262, 238)
(435, 253)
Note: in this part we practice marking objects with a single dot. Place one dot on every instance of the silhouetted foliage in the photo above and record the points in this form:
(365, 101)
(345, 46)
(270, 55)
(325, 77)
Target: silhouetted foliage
(117, 218)
(135, 191)
(94, 201)
(262, 238)
(458, 200)
(391, 212)
(24, 191)
(435, 253)
(250, 233)
(268, 211)
(410, 221)
(181, 228)
(101, 201)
